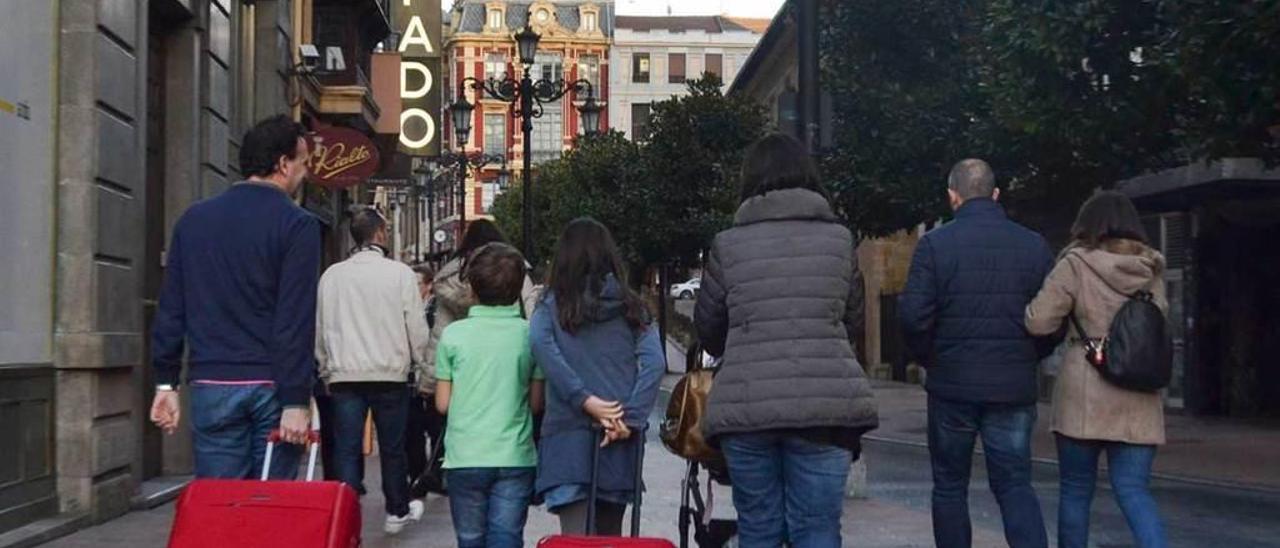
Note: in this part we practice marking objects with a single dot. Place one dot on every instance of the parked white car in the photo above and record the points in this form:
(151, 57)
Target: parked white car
(687, 290)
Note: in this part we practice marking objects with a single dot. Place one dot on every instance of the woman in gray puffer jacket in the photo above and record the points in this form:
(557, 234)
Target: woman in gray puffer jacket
(781, 300)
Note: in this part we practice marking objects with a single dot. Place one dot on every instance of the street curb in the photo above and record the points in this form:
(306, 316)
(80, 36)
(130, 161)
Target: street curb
(45, 530)
(1174, 478)
(163, 493)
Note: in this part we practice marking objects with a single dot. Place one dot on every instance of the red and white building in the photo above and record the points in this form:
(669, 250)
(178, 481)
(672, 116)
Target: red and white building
(479, 44)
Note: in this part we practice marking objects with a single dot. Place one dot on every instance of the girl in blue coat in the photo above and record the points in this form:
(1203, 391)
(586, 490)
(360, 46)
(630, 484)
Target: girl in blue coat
(603, 359)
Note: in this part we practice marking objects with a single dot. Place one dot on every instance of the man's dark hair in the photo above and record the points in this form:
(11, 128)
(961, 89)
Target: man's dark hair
(269, 140)
(778, 162)
(972, 178)
(496, 274)
(1106, 216)
(365, 224)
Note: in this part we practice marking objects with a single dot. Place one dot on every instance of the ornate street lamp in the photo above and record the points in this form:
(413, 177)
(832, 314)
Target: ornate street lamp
(504, 177)
(527, 43)
(461, 111)
(590, 111)
(530, 95)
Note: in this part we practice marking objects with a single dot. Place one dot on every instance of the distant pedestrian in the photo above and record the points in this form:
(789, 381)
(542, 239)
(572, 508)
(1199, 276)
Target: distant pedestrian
(489, 388)
(239, 297)
(781, 302)
(961, 311)
(453, 297)
(425, 422)
(426, 288)
(371, 333)
(604, 360)
(1109, 260)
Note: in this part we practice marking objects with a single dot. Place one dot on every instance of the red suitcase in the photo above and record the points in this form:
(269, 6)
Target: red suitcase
(635, 540)
(268, 514)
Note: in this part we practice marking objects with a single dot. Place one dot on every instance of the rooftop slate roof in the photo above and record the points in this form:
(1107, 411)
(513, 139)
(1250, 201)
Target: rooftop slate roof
(473, 15)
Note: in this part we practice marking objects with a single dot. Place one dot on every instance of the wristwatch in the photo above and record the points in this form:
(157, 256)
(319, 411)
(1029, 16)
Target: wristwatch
(166, 388)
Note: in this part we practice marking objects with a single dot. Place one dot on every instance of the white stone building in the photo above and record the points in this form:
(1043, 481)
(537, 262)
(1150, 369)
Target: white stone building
(653, 57)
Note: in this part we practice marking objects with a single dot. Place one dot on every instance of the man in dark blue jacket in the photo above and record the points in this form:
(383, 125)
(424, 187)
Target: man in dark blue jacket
(962, 312)
(240, 295)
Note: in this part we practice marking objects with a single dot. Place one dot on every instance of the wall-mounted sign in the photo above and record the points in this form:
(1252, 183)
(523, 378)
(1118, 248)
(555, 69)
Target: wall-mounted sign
(420, 26)
(342, 157)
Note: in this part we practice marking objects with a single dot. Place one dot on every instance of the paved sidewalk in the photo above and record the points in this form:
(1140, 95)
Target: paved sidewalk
(1214, 451)
(873, 523)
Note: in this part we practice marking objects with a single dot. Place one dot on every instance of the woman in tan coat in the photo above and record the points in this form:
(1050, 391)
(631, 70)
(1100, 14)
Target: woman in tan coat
(1108, 260)
(453, 294)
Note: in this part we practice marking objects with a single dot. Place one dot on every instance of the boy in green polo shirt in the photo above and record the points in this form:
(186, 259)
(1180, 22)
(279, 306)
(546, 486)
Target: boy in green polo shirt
(488, 388)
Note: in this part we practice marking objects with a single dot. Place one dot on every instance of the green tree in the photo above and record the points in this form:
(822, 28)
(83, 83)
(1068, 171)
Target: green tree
(694, 151)
(508, 208)
(905, 107)
(1061, 97)
(663, 198)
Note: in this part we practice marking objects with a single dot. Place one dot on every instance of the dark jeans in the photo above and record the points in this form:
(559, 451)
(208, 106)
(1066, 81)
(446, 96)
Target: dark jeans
(390, 405)
(489, 506)
(1130, 469)
(1006, 440)
(230, 424)
(324, 407)
(786, 488)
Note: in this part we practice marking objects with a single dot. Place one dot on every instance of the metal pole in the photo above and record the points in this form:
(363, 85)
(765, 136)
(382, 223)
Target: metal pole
(417, 225)
(462, 191)
(431, 216)
(526, 114)
(664, 282)
(809, 94)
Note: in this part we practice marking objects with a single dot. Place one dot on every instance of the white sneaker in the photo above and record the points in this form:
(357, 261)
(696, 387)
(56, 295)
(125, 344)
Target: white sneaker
(395, 524)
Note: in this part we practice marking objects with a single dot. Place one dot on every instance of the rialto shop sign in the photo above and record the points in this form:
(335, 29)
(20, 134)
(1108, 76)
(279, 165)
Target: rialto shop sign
(420, 94)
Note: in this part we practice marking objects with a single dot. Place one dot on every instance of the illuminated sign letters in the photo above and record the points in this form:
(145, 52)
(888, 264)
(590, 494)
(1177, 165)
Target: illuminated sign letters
(420, 94)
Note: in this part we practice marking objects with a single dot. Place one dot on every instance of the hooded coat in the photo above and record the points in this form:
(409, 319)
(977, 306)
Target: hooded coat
(604, 357)
(781, 301)
(1094, 284)
(453, 299)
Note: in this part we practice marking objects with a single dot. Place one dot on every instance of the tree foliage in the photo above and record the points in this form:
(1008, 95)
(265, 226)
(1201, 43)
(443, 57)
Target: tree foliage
(694, 151)
(1061, 97)
(905, 102)
(663, 198)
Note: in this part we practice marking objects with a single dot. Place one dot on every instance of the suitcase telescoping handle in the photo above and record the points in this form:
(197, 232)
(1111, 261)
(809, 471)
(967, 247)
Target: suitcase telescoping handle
(637, 438)
(313, 440)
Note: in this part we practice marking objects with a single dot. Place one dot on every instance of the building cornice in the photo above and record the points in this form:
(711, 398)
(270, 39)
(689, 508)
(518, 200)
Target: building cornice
(471, 38)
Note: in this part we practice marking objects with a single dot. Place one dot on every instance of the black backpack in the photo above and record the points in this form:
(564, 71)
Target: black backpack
(1137, 353)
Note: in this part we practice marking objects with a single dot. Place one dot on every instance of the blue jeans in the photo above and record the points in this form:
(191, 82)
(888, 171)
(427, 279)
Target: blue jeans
(489, 506)
(389, 403)
(1130, 469)
(230, 424)
(786, 488)
(1006, 438)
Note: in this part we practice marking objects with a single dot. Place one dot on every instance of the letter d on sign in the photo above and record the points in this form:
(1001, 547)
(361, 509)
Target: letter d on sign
(428, 132)
(405, 92)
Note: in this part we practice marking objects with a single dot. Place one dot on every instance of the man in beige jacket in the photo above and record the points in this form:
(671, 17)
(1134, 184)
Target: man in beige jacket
(370, 330)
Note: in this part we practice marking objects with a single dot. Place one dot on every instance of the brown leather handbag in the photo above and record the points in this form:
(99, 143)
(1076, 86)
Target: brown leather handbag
(681, 430)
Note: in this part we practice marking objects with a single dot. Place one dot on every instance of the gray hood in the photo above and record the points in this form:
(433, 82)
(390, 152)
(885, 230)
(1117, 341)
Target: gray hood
(607, 304)
(793, 204)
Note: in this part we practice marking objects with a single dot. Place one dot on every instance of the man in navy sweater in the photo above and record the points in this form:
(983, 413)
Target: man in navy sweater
(240, 295)
(962, 313)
